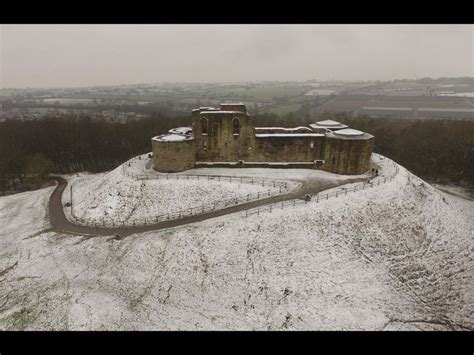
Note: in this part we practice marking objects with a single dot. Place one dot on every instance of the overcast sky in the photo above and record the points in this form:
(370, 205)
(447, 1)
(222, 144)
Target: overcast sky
(87, 55)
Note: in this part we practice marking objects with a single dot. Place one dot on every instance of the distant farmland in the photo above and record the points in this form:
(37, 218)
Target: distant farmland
(402, 107)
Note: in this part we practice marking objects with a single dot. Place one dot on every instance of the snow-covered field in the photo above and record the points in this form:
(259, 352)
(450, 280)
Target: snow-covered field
(395, 256)
(134, 195)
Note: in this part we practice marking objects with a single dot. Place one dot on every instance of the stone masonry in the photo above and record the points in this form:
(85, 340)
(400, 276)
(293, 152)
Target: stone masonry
(227, 137)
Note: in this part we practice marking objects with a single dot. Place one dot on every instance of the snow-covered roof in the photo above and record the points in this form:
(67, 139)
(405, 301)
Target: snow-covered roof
(349, 133)
(220, 111)
(204, 108)
(289, 135)
(328, 123)
(181, 130)
(282, 128)
(171, 138)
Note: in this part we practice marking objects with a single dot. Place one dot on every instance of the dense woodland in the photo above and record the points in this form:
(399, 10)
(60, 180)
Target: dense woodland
(437, 150)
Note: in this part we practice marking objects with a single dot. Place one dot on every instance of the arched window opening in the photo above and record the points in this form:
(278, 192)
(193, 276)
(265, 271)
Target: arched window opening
(236, 126)
(205, 126)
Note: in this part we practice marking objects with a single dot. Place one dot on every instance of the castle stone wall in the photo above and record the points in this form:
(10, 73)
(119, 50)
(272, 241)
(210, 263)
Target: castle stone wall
(214, 140)
(288, 149)
(220, 143)
(170, 157)
(347, 156)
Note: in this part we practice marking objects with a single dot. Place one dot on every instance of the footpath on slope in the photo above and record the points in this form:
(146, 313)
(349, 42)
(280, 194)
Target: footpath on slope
(61, 224)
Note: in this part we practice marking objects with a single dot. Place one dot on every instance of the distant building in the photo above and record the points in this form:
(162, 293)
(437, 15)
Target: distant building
(225, 136)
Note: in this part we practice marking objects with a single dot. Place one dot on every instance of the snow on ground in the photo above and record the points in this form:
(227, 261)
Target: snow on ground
(455, 190)
(141, 166)
(395, 256)
(119, 197)
(136, 194)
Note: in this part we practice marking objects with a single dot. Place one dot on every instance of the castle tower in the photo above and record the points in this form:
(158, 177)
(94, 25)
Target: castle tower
(348, 151)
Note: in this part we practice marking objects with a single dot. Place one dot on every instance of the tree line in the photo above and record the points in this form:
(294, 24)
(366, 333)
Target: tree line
(68, 144)
(437, 150)
(434, 149)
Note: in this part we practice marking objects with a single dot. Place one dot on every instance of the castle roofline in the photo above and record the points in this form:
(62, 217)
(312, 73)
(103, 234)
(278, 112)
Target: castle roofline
(349, 133)
(328, 124)
(205, 108)
(280, 135)
(171, 138)
(220, 111)
(283, 128)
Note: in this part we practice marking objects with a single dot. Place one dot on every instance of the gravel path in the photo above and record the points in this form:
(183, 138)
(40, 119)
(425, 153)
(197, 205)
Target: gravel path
(61, 224)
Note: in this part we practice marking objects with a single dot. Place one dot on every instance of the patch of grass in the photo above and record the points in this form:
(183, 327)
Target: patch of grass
(22, 318)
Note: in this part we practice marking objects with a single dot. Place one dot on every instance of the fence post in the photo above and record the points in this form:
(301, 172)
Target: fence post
(258, 195)
(248, 196)
(327, 196)
(345, 191)
(273, 183)
(281, 204)
(317, 198)
(270, 208)
(294, 202)
(268, 192)
(280, 189)
(246, 213)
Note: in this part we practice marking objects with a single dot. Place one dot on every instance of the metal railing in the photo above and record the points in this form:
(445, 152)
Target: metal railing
(377, 181)
(208, 177)
(275, 188)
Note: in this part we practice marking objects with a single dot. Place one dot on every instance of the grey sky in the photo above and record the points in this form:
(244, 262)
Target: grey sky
(83, 55)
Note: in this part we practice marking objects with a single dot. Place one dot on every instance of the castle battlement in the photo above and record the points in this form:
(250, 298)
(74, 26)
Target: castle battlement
(227, 135)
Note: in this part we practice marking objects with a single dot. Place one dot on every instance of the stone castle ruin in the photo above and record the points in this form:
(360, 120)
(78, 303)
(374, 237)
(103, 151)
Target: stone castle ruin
(226, 137)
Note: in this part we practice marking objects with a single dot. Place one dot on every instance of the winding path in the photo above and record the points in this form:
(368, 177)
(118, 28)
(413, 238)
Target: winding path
(61, 224)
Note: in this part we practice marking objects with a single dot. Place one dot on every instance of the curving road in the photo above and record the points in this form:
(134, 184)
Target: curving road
(61, 224)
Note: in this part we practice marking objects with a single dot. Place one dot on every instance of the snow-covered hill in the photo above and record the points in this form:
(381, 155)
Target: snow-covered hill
(395, 256)
(135, 194)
